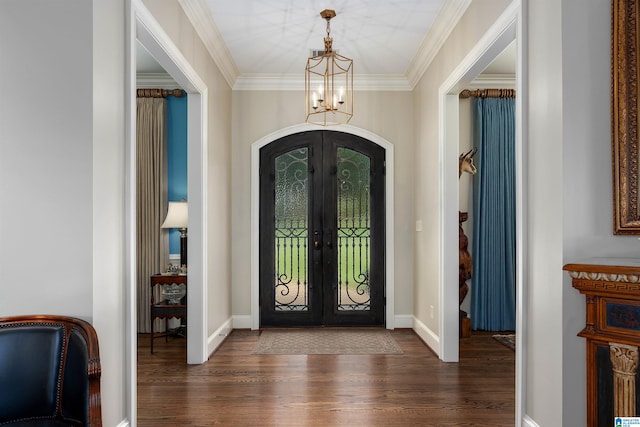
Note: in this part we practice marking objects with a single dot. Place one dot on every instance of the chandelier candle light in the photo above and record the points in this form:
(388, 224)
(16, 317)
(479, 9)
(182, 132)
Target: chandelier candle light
(328, 83)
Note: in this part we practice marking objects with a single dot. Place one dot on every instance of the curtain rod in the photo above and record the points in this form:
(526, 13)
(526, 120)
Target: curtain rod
(488, 93)
(159, 93)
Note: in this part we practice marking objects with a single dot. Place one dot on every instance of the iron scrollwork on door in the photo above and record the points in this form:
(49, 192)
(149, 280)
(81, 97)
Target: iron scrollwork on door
(291, 231)
(354, 230)
(322, 238)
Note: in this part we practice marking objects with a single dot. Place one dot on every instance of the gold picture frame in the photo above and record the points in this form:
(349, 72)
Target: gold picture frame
(624, 115)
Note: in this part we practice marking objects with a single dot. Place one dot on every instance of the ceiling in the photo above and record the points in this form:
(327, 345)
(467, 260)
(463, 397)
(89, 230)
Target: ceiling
(385, 39)
(277, 36)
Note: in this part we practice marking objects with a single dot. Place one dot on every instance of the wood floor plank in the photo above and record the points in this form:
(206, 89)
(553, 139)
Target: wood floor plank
(237, 388)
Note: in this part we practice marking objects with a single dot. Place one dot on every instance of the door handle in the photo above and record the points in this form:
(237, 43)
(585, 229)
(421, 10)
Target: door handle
(316, 240)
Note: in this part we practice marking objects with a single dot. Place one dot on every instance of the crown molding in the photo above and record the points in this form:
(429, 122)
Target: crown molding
(155, 81)
(379, 82)
(295, 82)
(285, 82)
(442, 27)
(200, 17)
(493, 81)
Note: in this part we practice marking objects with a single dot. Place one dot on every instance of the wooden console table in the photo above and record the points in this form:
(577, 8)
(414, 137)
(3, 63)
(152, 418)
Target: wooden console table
(164, 309)
(612, 290)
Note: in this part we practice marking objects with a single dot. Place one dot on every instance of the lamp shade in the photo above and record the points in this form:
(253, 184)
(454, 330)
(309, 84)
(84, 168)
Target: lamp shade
(177, 216)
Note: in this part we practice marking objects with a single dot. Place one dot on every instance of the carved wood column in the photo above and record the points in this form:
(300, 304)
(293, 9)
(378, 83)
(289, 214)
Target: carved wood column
(624, 359)
(464, 274)
(590, 327)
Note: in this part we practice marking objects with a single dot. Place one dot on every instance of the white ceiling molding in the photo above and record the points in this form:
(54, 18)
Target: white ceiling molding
(373, 82)
(493, 81)
(288, 82)
(155, 81)
(295, 82)
(200, 16)
(446, 21)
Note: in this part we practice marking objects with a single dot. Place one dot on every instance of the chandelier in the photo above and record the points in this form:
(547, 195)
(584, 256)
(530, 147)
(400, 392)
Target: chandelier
(328, 80)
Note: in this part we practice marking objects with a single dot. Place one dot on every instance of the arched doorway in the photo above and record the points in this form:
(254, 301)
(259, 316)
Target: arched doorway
(322, 230)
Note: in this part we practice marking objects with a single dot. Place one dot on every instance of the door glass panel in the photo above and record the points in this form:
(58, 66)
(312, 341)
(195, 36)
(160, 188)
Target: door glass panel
(291, 231)
(354, 230)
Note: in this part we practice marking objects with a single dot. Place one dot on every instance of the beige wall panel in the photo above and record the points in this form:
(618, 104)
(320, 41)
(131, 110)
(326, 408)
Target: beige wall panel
(259, 113)
(477, 19)
(219, 187)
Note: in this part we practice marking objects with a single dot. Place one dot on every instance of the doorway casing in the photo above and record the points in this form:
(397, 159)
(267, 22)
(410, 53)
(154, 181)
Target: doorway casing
(142, 27)
(507, 28)
(255, 213)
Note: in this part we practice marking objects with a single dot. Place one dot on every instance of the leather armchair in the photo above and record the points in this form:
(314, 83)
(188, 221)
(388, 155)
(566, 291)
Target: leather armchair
(49, 372)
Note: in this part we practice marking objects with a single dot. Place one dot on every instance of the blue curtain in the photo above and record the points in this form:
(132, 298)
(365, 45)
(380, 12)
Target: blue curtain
(493, 290)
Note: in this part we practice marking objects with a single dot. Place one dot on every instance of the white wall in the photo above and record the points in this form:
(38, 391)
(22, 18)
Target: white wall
(259, 113)
(61, 170)
(587, 178)
(109, 302)
(46, 161)
(570, 195)
(544, 387)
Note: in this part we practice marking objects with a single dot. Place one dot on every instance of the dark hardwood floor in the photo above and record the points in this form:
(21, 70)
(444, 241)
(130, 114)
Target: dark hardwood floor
(236, 388)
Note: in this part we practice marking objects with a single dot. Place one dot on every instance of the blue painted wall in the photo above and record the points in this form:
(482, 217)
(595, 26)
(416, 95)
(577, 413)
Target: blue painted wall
(177, 158)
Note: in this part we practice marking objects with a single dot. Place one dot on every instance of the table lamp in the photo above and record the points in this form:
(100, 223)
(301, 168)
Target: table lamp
(178, 217)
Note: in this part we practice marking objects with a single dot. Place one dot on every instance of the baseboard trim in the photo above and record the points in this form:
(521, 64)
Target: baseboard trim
(403, 321)
(400, 321)
(219, 336)
(241, 322)
(528, 422)
(427, 335)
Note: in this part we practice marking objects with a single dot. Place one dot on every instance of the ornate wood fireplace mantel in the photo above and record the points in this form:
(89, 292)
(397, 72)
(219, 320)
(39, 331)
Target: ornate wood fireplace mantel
(612, 290)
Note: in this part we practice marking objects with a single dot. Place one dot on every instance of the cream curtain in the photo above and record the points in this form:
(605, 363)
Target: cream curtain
(151, 202)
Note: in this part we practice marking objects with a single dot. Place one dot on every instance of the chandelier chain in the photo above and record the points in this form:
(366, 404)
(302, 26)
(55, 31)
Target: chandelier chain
(328, 41)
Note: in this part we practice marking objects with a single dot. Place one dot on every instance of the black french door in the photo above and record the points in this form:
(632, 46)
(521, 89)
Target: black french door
(322, 258)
